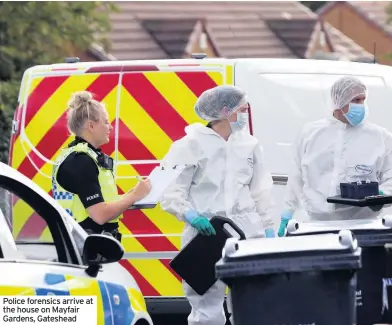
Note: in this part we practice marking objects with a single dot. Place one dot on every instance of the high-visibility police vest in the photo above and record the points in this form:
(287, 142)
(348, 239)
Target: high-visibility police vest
(70, 201)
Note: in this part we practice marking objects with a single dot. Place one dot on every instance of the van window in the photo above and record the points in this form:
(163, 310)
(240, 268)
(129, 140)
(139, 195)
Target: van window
(283, 103)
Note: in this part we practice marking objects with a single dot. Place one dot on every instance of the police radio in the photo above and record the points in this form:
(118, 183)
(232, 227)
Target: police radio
(105, 161)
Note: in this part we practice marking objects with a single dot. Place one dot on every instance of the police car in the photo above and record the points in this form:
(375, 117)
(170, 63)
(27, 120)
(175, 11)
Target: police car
(64, 260)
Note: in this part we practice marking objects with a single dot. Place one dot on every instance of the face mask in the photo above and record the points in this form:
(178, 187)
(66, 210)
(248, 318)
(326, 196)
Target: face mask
(355, 114)
(240, 124)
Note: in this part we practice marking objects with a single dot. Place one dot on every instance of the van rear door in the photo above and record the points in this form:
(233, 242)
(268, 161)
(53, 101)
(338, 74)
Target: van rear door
(43, 128)
(157, 103)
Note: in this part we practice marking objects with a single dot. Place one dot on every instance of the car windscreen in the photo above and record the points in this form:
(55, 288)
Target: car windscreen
(78, 233)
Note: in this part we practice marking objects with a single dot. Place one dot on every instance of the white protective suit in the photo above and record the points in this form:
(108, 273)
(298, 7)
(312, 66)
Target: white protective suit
(227, 179)
(331, 152)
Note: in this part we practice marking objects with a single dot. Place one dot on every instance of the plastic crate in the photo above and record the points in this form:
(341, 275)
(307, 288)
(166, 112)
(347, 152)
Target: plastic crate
(358, 191)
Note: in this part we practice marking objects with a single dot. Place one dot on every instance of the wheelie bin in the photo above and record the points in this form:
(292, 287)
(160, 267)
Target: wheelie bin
(372, 284)
(305, 280)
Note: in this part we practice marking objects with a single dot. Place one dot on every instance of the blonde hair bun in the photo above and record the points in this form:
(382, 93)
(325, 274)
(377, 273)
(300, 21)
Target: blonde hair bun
(79, 100)
(81, 108)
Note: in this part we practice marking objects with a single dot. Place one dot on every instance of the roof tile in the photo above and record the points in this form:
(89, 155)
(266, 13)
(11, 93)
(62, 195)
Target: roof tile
(153, 29)
(171, 34)
(296, 33)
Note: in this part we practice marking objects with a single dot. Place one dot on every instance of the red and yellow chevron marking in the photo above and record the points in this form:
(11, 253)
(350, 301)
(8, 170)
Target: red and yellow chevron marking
(155, 107)
(45, 123)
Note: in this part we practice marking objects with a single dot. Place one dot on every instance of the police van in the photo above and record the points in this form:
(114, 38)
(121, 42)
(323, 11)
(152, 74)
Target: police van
(150, 102)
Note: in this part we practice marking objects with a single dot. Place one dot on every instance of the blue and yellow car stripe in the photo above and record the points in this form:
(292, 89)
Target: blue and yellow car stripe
(107, 314)
(52, 280)
(121, 306)
(115, 303)
(137, 300)
(80, 286)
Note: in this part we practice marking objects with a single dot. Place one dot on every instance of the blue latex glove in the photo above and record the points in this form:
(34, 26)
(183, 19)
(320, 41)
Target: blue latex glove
(269, 233)
(285, 217)
(200, 223)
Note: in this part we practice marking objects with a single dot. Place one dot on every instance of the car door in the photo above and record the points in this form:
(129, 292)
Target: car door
(52, 256)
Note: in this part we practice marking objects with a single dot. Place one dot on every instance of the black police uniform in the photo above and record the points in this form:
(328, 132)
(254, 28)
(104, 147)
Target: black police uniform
(78, 174)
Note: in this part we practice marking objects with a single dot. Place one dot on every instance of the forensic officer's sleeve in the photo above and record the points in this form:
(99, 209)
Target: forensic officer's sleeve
(261, 188)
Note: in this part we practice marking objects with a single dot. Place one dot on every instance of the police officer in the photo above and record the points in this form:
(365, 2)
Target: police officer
(83, 181)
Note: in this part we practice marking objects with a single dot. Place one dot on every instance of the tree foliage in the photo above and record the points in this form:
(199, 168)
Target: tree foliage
(35, 32)
(388, 11)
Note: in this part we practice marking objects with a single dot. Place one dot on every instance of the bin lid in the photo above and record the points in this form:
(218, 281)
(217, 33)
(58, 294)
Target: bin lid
(289, 254)
(369, 232)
